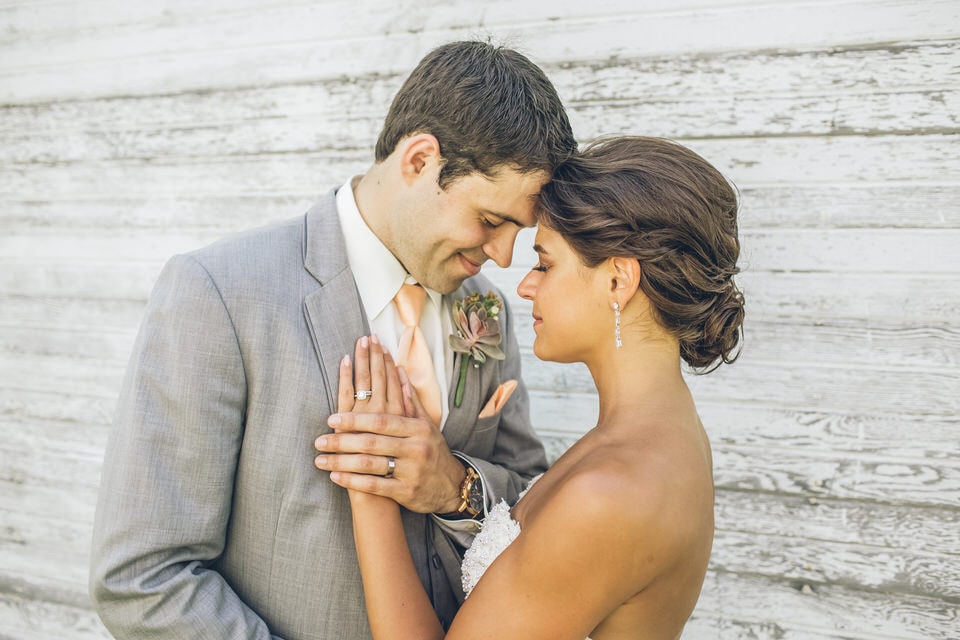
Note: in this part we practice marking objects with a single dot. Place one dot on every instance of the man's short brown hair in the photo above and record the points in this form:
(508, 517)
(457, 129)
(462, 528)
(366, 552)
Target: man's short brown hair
(488, 106)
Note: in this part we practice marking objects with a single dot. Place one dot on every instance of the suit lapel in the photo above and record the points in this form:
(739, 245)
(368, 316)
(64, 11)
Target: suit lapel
(333, 311)
(336, 321)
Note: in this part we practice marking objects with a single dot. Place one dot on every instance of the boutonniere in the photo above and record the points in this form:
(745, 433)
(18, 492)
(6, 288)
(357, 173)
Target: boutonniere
(477, 335)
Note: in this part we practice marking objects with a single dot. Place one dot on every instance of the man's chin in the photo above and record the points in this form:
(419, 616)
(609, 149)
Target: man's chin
(444, 285)
(451, 286)
(453, 281)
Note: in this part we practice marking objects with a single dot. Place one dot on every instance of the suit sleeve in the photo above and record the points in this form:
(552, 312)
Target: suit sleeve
(167, 480)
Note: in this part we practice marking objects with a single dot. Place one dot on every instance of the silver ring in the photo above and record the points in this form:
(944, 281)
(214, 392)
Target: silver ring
(363, 394)
(391, 467)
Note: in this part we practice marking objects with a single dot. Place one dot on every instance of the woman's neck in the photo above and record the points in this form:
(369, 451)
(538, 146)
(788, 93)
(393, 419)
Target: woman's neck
(643, 375)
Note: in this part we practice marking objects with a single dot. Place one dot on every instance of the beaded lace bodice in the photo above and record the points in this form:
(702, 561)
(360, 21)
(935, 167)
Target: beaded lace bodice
(499, 530)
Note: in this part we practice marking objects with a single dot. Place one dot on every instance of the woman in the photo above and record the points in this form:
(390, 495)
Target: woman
(637, 247)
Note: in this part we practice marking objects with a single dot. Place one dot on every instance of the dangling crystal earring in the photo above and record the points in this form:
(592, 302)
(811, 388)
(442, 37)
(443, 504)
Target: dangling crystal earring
(616, 317)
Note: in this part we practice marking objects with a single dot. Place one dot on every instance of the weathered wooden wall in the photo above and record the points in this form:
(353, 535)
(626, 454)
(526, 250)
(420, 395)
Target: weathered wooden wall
(133, 129)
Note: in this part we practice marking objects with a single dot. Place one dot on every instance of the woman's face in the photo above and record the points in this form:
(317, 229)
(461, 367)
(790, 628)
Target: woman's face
(572, 315)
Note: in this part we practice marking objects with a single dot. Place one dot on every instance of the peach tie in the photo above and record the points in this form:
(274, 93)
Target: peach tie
(413, 353)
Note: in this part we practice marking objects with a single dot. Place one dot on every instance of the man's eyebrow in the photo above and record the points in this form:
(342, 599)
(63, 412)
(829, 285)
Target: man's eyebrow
(506, 218)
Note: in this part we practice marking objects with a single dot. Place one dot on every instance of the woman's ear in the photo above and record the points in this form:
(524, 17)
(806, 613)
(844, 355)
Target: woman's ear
(624, 278)
(420, 157)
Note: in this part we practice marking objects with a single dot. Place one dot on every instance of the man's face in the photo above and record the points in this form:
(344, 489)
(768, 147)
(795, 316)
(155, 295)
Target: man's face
(448, 234)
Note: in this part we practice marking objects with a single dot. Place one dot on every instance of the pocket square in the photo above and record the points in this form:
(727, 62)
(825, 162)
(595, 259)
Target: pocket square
(498, 399)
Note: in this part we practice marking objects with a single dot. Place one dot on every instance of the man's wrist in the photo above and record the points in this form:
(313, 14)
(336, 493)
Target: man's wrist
(470, 499)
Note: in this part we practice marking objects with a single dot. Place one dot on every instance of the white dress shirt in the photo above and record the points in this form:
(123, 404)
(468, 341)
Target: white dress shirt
(379, 275)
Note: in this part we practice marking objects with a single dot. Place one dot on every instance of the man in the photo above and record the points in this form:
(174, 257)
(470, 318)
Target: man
(212, 520)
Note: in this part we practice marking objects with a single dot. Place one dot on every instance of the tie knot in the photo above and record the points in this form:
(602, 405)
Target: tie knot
(409, 301)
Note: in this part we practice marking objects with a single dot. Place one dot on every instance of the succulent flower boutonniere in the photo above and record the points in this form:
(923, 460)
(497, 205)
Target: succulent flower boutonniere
(477, 335)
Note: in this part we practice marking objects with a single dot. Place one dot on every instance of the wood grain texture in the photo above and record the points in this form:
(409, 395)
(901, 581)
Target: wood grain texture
(133, 131)
(738, 606)
(291, 43)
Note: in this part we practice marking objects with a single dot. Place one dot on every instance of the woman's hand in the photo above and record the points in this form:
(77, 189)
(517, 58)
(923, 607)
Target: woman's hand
(374, 373)
(384, 443)
(368, 384)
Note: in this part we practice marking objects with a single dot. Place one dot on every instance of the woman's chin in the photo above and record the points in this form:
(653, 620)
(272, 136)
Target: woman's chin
(538, 349)
(542, 351)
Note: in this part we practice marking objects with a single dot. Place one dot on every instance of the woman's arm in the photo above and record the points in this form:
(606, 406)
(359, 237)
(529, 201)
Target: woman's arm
(397, 605)
(579, 556)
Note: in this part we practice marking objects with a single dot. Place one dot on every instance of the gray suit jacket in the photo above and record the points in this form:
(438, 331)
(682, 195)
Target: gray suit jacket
(212, 521)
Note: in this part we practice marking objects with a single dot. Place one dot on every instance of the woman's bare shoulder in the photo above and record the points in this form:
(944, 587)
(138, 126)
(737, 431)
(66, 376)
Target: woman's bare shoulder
(640, 490)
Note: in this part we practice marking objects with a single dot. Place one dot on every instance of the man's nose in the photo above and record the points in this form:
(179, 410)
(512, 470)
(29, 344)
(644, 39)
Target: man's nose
(500, 247)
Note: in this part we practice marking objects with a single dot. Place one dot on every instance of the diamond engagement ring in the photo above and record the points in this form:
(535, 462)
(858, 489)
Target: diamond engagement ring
(363, 394)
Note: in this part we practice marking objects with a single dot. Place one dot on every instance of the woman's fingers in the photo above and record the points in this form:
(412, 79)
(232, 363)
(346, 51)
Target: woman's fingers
(345, 400)
(375, 385)
(361, 375)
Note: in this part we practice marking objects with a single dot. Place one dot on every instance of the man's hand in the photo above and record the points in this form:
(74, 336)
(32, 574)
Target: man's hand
(390, 424)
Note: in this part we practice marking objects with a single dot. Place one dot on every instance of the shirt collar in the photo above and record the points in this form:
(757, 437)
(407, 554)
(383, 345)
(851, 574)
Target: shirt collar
(376, 270)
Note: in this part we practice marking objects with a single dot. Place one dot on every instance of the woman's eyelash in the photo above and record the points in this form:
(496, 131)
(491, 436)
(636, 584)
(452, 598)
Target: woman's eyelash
(541, 268)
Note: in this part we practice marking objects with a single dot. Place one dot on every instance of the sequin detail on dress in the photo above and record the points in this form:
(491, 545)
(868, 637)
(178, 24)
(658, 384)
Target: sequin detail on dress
(499, 530)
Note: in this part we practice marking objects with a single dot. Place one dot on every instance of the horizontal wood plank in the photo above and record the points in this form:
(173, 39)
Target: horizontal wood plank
(28, 616)
(94, 329)
(755, 607)
(917, 482)
(827, 207)
(27, 466)
(801, 386)
(929, 251)
(52, 17)
(913, 300)
(30, 406)
(63, 563)
(873, 526)
(924, 159)
(308, 133)
(920, 68)
(292, 44)
(886, 300)
(291, 120)
(815, 474)
(76, 504)
(804, 434)
(884, 570)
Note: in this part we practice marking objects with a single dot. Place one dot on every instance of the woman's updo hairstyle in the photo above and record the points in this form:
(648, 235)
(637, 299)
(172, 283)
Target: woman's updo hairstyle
(659, 202)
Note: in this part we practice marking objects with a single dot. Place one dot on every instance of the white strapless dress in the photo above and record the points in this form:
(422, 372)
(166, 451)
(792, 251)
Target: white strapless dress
(499, 530)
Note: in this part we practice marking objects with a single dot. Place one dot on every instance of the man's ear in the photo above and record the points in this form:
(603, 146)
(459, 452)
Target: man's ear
(624, 278)
(419, 157)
